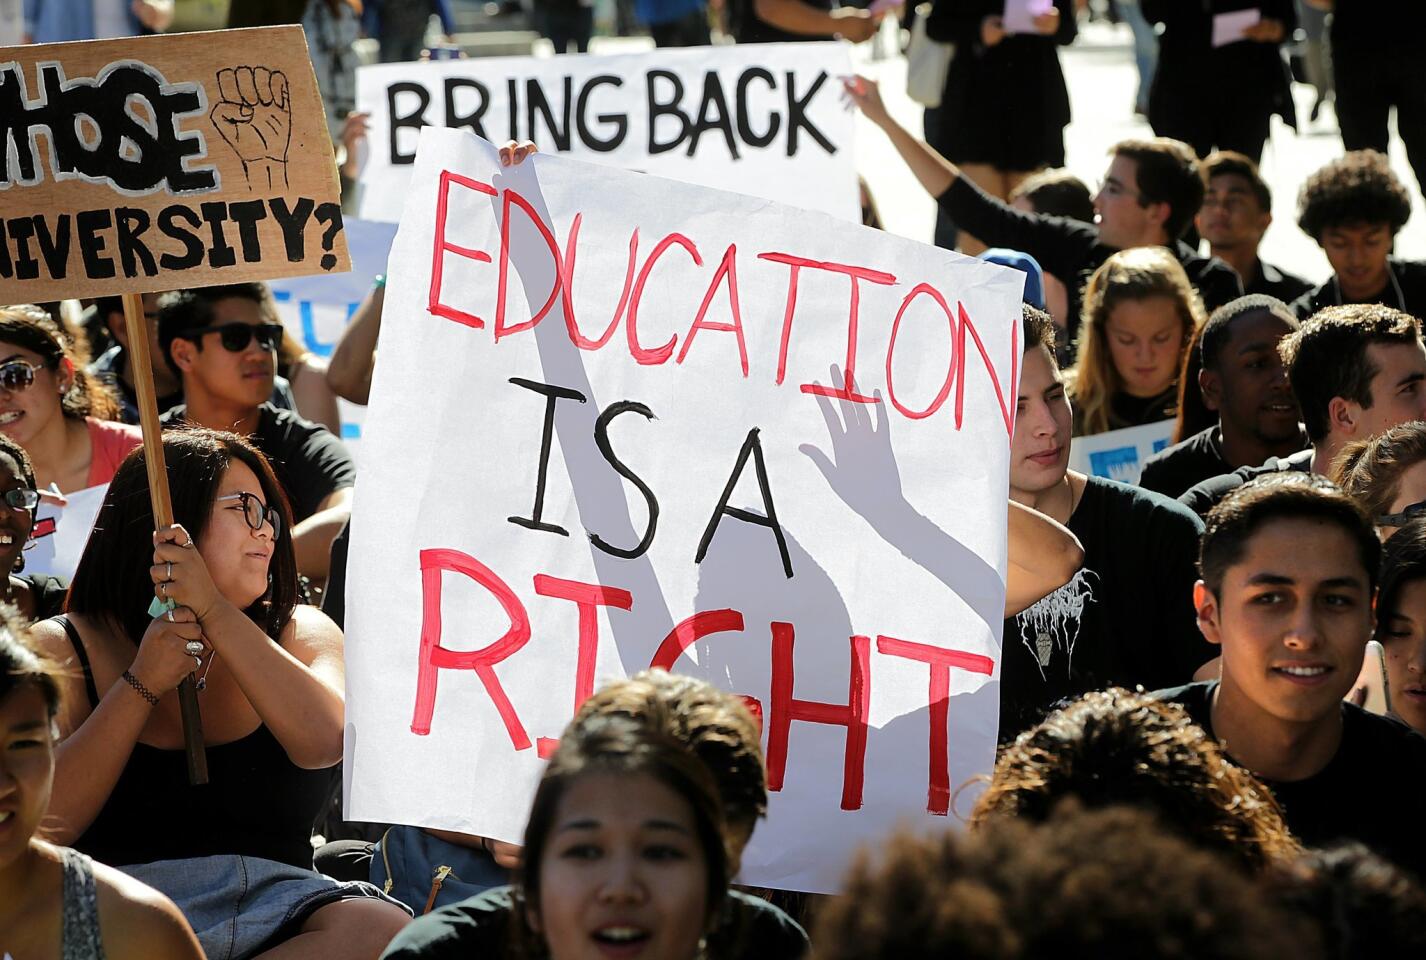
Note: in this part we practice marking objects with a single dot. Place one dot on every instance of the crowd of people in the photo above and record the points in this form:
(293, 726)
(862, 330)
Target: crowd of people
(1212, 684)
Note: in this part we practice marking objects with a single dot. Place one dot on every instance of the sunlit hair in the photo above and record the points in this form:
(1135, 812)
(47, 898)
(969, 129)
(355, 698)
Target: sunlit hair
(1370, 471)
(28, 326)
(1114, 747)
(20, 666)
(112, 582)
(624, 747)
(1135, 274)
(712, 723)
(1108, 884)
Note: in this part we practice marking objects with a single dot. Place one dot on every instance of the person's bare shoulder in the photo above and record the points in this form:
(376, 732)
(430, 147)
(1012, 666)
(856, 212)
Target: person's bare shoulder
(139, 923)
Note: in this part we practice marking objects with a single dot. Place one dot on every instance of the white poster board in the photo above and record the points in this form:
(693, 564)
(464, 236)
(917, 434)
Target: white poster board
(1120, 454)
(765, 119)
(61, 531)
(566, 500)
(317, 309)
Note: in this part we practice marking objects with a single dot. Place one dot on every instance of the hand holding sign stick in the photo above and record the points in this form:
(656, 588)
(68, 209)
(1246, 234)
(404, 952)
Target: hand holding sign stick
(255, 118)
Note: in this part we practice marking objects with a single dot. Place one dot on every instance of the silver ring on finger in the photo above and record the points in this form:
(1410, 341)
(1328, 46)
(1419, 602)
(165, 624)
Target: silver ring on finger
(168, 574)
(194, 648)
(163, 588)
(197, 664)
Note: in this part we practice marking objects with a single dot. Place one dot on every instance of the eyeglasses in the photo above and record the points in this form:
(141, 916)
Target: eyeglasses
(256, 513)
(21, 498)
(1408, 513)
(235, 337)
(17, 375)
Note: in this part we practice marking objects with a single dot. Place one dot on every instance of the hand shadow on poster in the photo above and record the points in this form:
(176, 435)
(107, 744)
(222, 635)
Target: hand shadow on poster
(863, 472)
(598, 491)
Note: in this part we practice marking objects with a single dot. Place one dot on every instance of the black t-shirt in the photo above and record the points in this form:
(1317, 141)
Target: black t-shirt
(311, 464)
(1405, 290)
(1126, 619)
(1204, 496)
(1276, 282)
(1370, 791)
(1174, 469)
(749, 927)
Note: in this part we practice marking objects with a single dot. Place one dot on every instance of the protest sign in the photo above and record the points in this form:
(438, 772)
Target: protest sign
(781, 466)
(61, 531)
(763, 119)
(152, 163)
(317, 309)
(1120, 454)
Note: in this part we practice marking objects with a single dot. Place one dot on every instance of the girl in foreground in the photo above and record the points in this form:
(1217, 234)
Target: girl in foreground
(55, 902)
(625, 850)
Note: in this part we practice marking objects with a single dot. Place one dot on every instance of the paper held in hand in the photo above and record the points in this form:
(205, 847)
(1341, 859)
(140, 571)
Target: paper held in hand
(662, 424)
(155, 163)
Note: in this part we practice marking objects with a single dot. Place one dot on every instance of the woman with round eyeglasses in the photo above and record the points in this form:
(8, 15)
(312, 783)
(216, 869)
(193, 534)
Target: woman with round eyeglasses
(65, 420)
(214, 595)
(35, 596)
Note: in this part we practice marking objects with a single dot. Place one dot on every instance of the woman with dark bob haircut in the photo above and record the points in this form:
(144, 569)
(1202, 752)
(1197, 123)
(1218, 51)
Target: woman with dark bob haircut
(625, 848)
(214, 595)
(55, 902)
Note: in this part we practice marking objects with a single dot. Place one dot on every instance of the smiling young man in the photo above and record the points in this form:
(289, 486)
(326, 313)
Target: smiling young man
(1354, 207)
(222, 343)
(1355, 370)
(1289, 567)
(1126, 618)
(1243, 379)
(1236, 212)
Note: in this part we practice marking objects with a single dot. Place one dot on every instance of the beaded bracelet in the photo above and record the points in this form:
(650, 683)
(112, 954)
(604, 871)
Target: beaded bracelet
(143, 691)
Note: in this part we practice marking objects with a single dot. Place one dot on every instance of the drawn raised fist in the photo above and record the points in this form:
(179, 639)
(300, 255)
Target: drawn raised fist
(255, 118)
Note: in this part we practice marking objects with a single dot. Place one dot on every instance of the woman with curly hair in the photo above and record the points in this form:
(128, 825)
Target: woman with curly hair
(50, 406)
(1140, 313)
(1111, 884)
(1354, 207)
(1114, 747)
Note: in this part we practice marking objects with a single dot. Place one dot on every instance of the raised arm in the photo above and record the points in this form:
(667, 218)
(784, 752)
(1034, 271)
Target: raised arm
(354, 357)
(1043, 556)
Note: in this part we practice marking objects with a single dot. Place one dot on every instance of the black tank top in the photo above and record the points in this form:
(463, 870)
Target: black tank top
(256, 802)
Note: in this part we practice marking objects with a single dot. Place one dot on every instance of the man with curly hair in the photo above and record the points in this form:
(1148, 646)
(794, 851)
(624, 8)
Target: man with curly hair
(1354, 207)
(1111, 884)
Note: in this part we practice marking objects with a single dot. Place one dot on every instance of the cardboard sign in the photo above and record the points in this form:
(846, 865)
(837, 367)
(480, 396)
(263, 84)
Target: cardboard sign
(621, 421)
(764, 119)
(61, 532)
(1120, 454)
(317, 309)
(152, 163)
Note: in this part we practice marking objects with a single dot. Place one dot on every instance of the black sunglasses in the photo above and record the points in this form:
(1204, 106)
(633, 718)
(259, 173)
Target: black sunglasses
(1408, 513)
(235, 337)
(21, 498)
(256, 513)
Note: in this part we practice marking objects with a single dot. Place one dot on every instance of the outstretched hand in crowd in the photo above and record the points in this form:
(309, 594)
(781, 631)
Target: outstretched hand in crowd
(866, 96)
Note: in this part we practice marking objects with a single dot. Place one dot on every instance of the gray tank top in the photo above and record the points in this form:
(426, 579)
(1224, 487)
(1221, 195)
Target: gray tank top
(80, 938)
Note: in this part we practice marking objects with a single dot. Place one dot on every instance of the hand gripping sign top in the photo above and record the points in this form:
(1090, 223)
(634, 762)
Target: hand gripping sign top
(150, 163)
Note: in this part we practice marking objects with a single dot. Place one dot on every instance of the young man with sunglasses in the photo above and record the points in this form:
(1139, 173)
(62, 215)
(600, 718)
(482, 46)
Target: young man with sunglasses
(112, 367)
(222, 343)
(1289, 568)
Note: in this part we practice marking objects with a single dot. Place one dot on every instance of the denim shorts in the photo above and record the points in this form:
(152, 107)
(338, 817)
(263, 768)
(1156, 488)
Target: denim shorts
(240, 906)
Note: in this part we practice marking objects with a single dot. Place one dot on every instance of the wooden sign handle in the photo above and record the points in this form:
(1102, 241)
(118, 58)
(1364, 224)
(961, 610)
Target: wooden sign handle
(141, 369)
